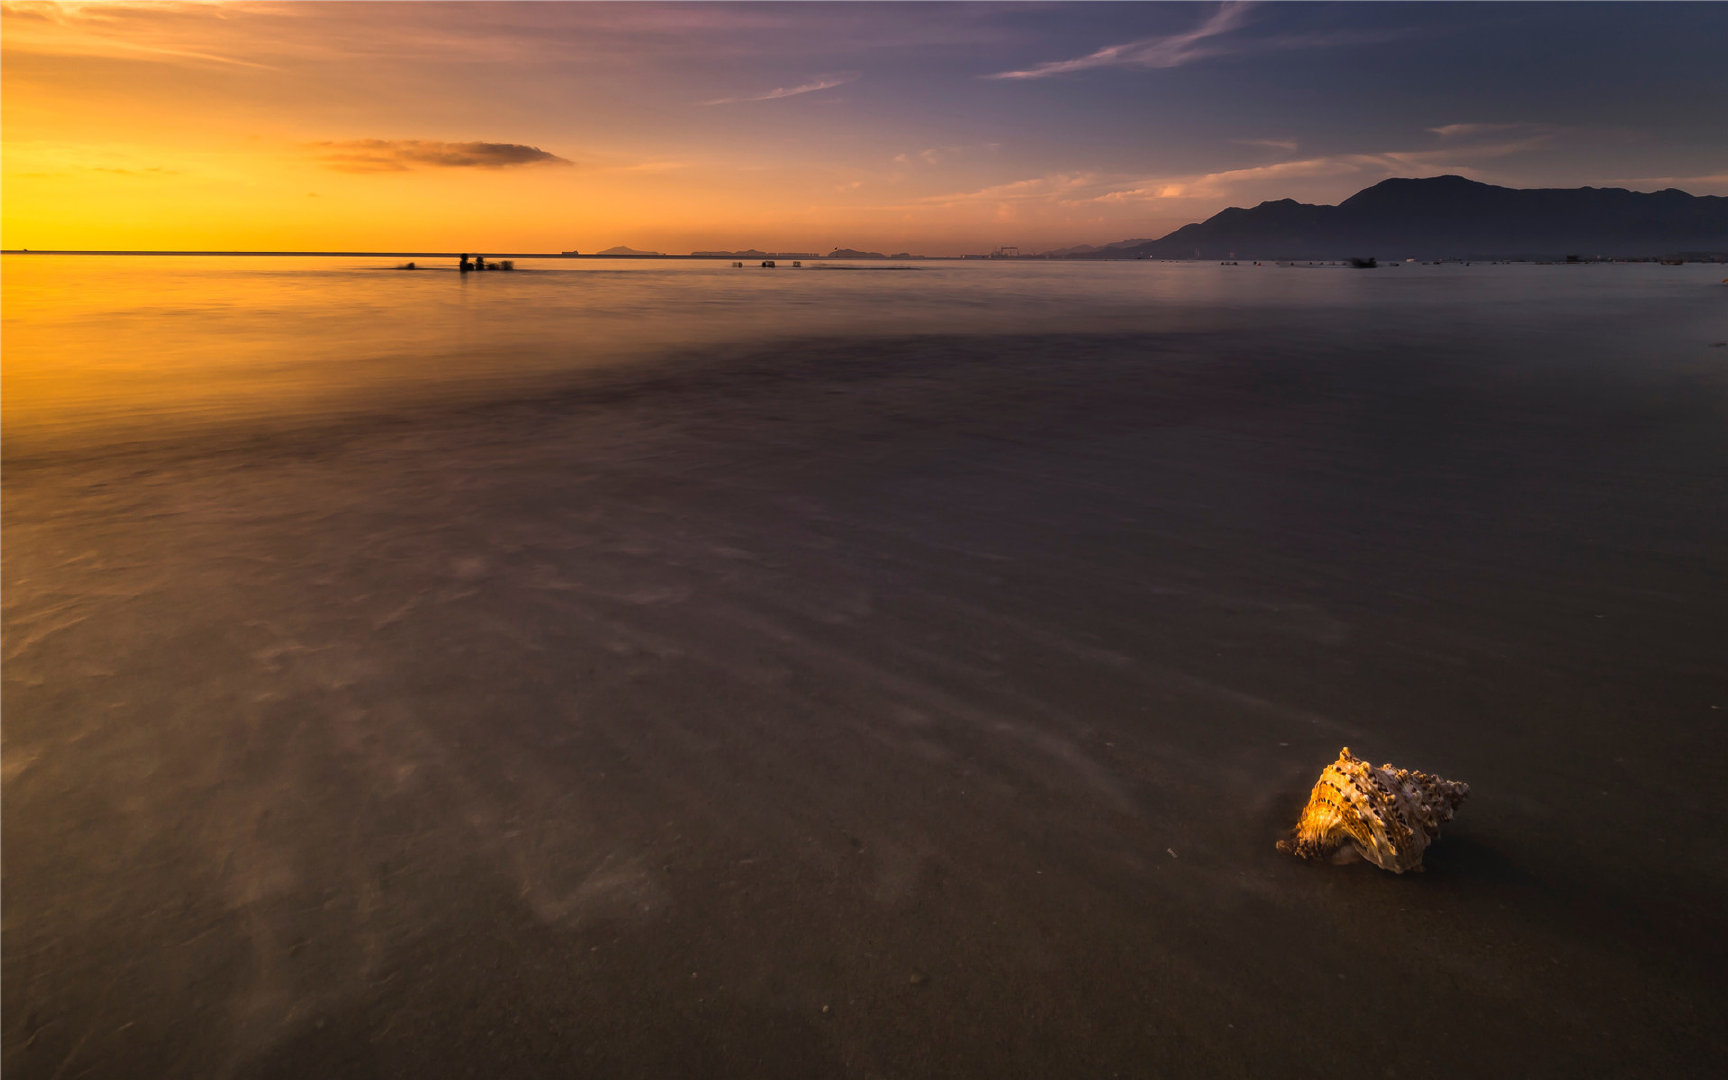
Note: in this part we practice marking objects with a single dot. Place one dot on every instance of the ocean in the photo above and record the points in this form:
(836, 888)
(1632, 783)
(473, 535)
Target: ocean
(121, 347)
(655, 667)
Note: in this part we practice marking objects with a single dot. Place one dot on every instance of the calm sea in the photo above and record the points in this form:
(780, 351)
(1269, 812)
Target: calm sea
(116, 348)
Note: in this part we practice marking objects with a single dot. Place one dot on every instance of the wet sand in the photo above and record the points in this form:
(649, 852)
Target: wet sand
(920, 708)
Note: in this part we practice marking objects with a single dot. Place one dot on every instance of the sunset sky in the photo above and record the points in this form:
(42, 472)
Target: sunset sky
(939, 129)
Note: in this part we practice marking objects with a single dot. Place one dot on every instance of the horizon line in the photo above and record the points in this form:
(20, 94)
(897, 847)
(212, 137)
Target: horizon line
(458, 254)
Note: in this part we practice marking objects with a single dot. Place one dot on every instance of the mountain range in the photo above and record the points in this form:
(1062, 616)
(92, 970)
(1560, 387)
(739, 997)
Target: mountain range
(1097, 250)
(1449, 217)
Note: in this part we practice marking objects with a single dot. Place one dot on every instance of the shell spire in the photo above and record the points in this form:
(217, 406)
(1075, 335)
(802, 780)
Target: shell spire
(1390, 814)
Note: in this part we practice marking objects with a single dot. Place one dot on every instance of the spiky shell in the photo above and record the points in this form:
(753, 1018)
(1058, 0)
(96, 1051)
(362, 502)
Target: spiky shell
(1390, 814)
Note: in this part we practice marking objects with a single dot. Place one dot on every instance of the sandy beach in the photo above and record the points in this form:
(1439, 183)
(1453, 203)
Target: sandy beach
(914, 708)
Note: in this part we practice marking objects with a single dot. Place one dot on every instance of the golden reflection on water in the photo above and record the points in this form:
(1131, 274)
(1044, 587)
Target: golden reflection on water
(105, 343)
(94, 342)
(108, 348)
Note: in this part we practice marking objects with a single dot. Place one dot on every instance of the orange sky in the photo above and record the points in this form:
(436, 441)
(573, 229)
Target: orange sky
(939, 129)
(193, 126)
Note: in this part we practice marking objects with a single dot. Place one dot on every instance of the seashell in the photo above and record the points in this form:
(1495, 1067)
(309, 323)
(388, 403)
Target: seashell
(1390, 814)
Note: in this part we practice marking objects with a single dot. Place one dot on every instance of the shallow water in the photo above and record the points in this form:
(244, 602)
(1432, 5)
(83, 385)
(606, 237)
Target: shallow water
(660, 668)
(105, 348)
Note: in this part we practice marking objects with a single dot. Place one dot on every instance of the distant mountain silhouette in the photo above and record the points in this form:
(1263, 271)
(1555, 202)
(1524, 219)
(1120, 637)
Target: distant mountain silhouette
(1095, 249)
(1452, 217)
(752, 253)
(622, 250)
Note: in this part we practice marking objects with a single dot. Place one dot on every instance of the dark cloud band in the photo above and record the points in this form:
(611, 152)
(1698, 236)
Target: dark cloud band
(400, 155)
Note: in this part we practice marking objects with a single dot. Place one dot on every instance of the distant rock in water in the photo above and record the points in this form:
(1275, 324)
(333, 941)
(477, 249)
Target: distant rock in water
(1452, 217)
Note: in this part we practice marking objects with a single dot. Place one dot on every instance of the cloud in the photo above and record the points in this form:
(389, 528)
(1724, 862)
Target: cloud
(788, 91)
(1079, 189)
(1369, 167)
(401, 155)
(1690, 184)
(1057, 187)
(1170, 51)
(114, 29)
(648, 166)
(937, 154)
(1201, 43)
(251, 33)
(1451, 131)
(1218, 185)
(1084, 188)
(1286, 145)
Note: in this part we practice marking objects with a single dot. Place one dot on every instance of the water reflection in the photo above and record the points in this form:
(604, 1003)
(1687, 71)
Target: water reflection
(126, 345)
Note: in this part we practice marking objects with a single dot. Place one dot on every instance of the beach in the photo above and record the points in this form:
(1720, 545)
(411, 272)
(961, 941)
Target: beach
(922, 703)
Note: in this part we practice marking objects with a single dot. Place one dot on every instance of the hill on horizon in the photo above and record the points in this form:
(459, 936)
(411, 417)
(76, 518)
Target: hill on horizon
(1096, 249)
(1452, 217)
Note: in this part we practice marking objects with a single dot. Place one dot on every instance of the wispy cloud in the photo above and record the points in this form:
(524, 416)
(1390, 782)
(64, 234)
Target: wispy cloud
(273, 34)
(401, 155)
(1080, 189)
(1286, 145)
(1170, 51)
(1204, 42)
(646, 167)
(1057, 187)
(1098, 190)
(788, 91)
(1368, 167)
(937, 154)
(114, 29)
(1695, 185)
(1218, 185)
(1452, 131)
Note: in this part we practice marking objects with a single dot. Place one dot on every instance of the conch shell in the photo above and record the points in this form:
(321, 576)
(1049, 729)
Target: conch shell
(1390, 814)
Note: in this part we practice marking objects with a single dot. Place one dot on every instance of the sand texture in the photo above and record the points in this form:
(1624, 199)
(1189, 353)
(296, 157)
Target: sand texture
(918, 707)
